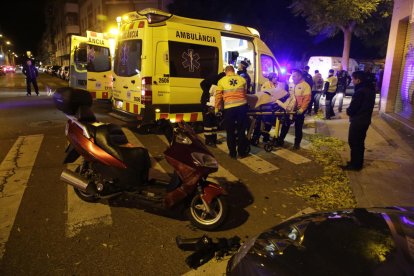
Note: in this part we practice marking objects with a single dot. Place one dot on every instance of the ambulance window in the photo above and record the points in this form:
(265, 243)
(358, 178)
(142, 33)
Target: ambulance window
(268, 65)
(98, 59)
(192, 60)
(80, 56)
(128, 58)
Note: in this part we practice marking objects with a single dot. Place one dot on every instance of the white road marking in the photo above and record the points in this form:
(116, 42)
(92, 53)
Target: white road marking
(156, 171)
(15, 172)
(255, 163)
(221, 175)
(291, 156)
(81, 213)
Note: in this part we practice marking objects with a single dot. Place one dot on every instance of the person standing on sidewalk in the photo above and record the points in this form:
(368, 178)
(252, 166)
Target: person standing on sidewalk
(31, 73)
(302, 92)
(359, 112)
(343, 82)
(210, 124)
(330, 91)
(317, 89)
(231, 98)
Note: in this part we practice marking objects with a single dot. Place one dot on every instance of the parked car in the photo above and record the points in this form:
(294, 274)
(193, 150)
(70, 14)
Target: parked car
(63, 72)
(8, 69)
(54, 70)
(375, 241)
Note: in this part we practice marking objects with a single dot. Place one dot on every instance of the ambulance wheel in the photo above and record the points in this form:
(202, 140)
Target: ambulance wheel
(268, 147)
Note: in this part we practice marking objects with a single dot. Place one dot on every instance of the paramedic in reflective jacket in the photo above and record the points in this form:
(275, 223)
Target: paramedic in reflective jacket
(359, 112)
(302, 92)
(232, 100)
(210, 124)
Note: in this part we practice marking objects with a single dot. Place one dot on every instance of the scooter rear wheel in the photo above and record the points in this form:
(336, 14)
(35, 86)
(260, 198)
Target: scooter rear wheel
(199, 216)
(85, 196)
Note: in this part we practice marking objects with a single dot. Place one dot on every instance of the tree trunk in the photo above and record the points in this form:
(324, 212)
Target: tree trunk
(347, 47)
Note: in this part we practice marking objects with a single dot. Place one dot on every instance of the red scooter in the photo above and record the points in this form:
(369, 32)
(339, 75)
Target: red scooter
(112, 166)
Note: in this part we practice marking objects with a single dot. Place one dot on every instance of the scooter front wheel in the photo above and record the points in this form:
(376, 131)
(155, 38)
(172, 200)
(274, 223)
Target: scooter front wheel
(201, 218)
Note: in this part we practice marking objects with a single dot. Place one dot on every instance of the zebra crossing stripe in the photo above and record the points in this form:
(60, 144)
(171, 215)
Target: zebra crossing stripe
(291, 156)
(15, 172)
(156, 171)
(80, 213)
(254, 162)
(221, 174)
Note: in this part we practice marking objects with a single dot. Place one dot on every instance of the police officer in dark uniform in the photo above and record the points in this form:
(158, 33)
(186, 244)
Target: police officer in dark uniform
(242, 71)
(359, 112)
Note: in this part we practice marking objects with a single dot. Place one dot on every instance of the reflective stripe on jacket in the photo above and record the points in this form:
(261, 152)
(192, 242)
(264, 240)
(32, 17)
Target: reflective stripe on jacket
(302, 92)
(231, 92)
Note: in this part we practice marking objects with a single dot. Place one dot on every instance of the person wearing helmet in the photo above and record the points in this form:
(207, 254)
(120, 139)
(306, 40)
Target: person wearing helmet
(270, 83)
(242, 71)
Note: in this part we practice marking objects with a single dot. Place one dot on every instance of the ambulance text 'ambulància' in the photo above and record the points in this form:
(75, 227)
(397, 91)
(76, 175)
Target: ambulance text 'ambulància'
(160, 60)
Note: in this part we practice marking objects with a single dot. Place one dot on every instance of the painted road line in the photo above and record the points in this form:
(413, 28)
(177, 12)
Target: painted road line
(81, 213)
(220, 176)
(254, 162)
(15, 172)
(290, 156)
(156, 171)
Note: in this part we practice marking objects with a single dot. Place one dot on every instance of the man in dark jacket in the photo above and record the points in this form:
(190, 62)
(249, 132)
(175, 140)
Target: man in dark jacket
(210, 123)
(31, 73)
(359, 112)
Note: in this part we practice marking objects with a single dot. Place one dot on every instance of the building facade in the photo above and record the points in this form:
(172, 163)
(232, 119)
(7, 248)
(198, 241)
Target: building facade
(397, 92)
(74, 17)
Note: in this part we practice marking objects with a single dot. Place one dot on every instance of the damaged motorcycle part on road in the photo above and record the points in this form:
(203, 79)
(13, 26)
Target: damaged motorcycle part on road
(205, 249)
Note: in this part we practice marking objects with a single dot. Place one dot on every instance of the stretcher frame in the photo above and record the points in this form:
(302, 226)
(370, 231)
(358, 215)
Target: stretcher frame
(268, 147)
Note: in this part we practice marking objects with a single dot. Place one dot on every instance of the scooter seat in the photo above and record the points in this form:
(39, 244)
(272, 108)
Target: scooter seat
(112, 139)
(108, 137)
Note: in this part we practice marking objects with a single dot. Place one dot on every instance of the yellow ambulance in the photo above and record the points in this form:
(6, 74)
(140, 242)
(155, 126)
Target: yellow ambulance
(160, 60)
(90, 64)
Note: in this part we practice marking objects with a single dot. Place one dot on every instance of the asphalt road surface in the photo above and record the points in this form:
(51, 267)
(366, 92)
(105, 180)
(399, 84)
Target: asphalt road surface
(46, 230)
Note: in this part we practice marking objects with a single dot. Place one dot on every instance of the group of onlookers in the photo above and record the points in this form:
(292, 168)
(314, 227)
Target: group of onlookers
(227, 94)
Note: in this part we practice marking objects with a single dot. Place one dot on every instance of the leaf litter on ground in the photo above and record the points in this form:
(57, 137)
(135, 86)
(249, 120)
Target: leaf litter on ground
(331, 190)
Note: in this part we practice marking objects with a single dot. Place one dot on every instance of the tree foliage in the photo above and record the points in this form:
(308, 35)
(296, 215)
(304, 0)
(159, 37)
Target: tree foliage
(362, 18)
(330, 16)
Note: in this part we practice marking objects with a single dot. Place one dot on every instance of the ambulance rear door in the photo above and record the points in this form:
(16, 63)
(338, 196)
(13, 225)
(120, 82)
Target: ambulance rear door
(98, 66)
(128, 66)
(78, 61)
(194, 54)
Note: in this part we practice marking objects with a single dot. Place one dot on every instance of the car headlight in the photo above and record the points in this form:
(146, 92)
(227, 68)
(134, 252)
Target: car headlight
(204, 160)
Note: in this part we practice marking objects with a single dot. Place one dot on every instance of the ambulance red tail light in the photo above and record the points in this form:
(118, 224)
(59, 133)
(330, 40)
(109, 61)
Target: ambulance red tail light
(146, 90)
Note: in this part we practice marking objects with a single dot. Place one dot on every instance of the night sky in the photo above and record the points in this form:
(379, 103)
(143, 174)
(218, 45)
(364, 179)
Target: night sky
(22, 22)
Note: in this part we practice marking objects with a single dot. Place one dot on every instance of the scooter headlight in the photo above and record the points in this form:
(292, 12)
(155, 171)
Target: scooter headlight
(181, 138)
(204, 160)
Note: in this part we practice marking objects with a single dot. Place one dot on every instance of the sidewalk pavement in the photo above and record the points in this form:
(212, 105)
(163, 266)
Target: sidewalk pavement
(387, 178)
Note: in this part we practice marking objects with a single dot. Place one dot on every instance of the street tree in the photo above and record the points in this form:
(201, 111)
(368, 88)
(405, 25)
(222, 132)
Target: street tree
(353, 17)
